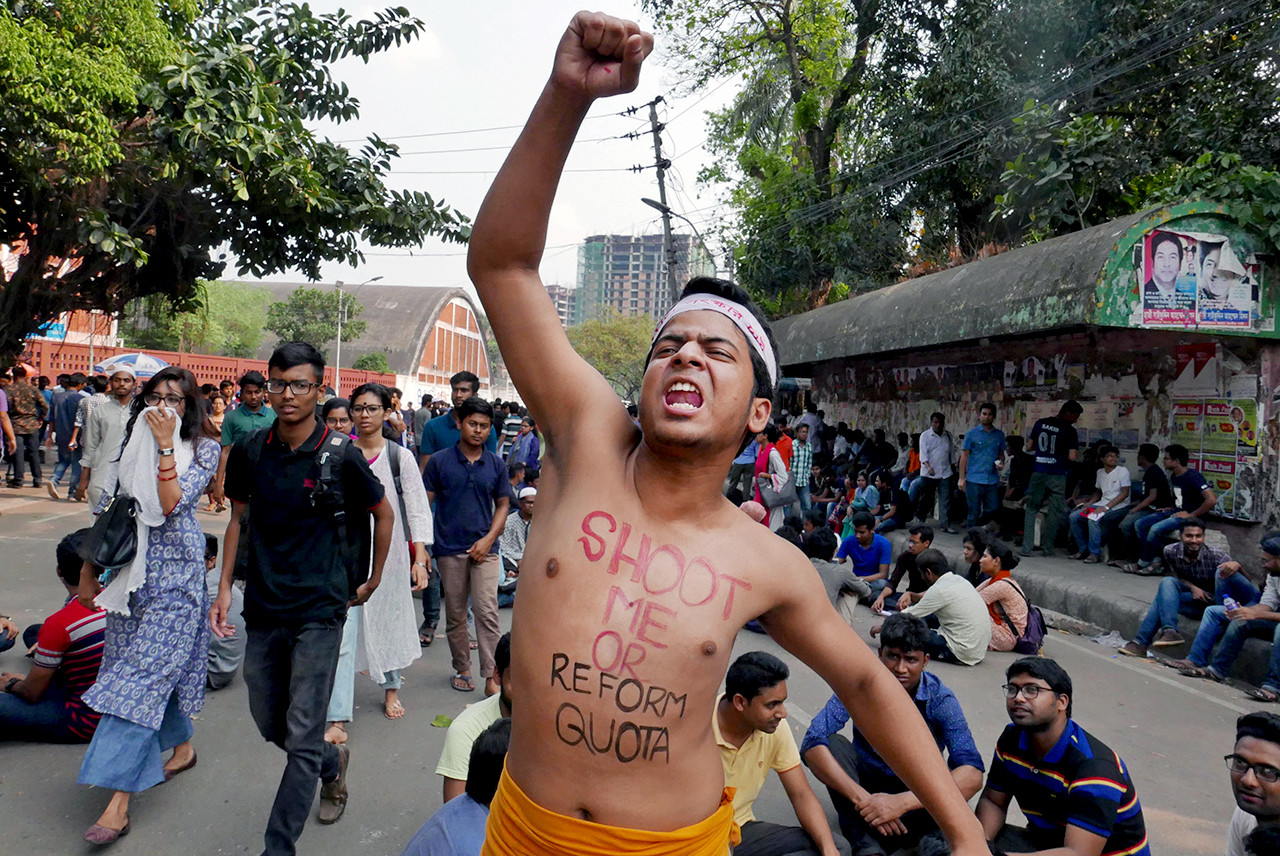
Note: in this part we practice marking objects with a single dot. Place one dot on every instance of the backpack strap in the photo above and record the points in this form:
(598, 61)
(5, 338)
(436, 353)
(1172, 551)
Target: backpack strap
(332, 452)
(395, 476)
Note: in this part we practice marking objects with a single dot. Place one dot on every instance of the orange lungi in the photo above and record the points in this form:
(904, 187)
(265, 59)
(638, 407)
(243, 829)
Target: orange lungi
(520, 827)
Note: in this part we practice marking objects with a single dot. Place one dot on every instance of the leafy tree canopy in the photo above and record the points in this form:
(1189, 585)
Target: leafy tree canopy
(227, 319)
(615, 345)
(873, 137)
(137, 138)
(311, 315)
(374, 362)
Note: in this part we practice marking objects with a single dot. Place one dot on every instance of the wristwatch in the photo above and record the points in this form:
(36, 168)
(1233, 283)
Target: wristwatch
(164, 453)
(8, 687)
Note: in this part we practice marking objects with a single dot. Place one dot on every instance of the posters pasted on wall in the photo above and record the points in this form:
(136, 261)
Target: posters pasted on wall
(1196, 280)
(1222, 436)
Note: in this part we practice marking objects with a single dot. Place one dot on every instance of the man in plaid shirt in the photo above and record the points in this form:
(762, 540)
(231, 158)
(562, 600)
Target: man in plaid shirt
(801, 466)
(1202, 576)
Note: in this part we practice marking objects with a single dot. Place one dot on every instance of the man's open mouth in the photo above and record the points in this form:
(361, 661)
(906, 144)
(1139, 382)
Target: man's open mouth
(682, 396)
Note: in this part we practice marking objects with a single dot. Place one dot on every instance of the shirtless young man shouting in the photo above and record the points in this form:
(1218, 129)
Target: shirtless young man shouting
(640, 573)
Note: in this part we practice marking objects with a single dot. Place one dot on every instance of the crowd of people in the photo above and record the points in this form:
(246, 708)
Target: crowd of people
(331, 528)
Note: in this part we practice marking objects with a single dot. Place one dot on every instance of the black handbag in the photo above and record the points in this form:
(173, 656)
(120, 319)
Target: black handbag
(112, 542)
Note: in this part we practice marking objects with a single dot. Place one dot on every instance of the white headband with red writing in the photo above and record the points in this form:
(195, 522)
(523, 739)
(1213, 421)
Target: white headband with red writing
(735, 312)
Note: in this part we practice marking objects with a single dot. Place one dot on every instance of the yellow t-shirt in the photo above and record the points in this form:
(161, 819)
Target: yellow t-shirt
(747, 766)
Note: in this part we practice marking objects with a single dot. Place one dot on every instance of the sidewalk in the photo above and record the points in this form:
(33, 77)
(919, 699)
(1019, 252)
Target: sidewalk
(1093, 600)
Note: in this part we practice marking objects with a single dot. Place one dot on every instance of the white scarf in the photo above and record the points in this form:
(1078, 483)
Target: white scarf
(137, 475)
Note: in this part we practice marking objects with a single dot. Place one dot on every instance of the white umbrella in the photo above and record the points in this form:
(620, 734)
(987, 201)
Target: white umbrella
(143, 365)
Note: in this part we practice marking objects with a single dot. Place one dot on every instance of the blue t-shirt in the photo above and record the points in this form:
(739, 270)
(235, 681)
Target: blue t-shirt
(457, 829)
(984, 447)
(866, 561)
(442, 432)
(1193, 486)
(1051, 442)
(466, 495)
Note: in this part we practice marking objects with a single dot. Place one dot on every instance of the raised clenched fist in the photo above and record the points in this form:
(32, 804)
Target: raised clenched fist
(600, 55)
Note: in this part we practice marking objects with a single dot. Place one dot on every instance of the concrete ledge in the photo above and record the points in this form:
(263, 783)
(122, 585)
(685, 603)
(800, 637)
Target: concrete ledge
(1098, 597)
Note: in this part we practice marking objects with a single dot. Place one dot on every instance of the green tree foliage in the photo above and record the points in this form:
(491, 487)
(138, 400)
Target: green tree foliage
(875, 134)
(227, 319)
(615, 345)
(311, 315)
(137, 138)
(375, 362)
(1250, 193)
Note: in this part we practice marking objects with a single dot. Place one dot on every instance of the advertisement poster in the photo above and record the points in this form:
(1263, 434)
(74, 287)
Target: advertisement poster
(1130, 425)
(1197, 279)
(1097, 422)
(1187, 424)
(1233, 482)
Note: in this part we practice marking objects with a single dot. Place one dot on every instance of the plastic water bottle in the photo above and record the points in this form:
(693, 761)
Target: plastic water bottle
(1230, 603)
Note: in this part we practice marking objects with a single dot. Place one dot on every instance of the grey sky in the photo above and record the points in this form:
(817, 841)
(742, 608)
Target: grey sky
(482, 64)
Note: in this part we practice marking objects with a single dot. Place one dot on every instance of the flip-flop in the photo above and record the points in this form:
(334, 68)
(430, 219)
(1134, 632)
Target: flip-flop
(1262, 694)
(463, 684)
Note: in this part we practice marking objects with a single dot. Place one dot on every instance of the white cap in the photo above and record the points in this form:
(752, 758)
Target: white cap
(526, 492)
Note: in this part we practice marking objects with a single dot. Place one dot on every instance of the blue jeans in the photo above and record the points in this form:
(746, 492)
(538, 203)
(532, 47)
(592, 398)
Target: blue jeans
(912, 486)
(67, 459)
(1126, 541)
(1089, 534)
(891, 524)
(983, 500)
(125, 756)
(1173, 598)
(431, 598)
(44, 721)
(806, 503)
(1215, 625)
(289, 670)
(1155, 530)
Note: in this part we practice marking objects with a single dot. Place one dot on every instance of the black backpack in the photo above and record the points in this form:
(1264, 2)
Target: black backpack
(327, 495)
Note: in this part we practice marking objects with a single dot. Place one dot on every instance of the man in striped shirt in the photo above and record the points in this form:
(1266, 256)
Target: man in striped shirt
(1074, 790)
(801, 467)
(44, 705)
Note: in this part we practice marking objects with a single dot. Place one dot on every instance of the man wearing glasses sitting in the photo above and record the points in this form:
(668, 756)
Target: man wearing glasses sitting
(1255, 771)
(1074, 790)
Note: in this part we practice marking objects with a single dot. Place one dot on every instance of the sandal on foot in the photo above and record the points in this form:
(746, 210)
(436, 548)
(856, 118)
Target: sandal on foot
(1191, 670)
(463, 683)
(1262, 694)
(101, 835)
(169, 774)
(340, 737)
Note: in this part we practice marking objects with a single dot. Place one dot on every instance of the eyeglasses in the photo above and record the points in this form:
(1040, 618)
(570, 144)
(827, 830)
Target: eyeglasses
(337, 422)
(154, 400)
(1028, 691)
(1239, 766)
(358, 409)
(297, 387)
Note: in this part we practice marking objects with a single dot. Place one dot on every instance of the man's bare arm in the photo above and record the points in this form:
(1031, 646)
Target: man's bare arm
(812, 817)
(597, 57)
(805, 623)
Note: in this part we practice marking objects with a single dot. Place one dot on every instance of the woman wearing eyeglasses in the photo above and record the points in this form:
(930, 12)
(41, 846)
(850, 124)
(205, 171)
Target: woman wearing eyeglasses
(381, 637)
(153, 665)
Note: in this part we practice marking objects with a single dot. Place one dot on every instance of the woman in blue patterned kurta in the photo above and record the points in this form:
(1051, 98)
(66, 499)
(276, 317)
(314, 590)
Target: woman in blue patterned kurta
(153, 668)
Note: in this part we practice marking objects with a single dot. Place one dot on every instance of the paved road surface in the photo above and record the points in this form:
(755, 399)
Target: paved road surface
(1172, 731)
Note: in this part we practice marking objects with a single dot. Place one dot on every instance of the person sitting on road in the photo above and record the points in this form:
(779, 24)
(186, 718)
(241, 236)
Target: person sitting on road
(1255, 616)
(844, 587)
(960, 630)
(1255, 781)
(868, 552)
(226, 653)
(1203, 576)
(878, 813)
(1006, 603)
(458, 828)
(454, 766)
(44, 705)
(1097, 516)
(1074, 790)
(919, 539)
(748, 727)
(896, 509)
(1198, 499)
(975, 543)
(515, 534)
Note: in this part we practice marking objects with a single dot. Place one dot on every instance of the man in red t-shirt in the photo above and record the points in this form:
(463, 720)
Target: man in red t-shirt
(44, 705)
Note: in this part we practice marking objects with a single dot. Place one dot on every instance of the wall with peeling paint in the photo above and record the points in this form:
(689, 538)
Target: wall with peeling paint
(1067, 303)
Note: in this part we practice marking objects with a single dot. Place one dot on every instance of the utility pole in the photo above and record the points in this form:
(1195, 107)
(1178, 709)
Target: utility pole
(668, 244)
(337, 363)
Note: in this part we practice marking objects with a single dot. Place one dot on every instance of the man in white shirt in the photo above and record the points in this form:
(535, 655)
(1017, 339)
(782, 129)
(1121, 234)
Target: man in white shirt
(960, 625)
(1101, 513)
(102, 435)
(1254, 766)
(935, 470)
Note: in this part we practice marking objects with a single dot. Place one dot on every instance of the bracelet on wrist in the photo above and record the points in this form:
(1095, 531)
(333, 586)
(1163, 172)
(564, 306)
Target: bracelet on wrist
(8, 687)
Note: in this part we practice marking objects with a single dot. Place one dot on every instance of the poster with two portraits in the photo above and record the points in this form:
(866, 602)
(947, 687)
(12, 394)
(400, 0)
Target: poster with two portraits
(1196, 279)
